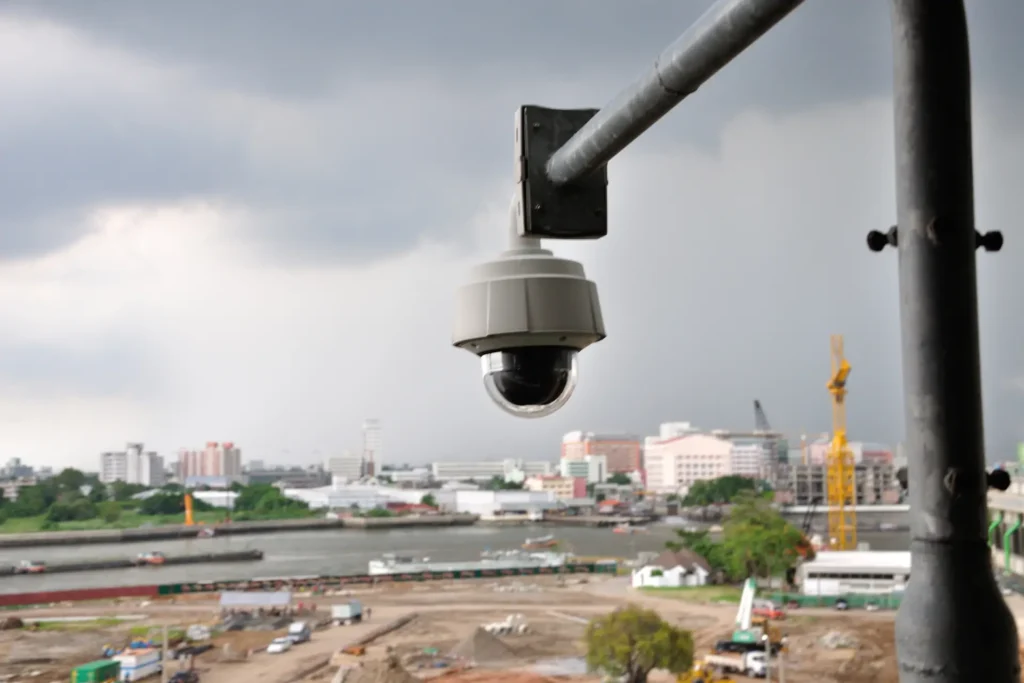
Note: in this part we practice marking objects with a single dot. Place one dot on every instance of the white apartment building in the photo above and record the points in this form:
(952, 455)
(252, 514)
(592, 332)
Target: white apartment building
(216, 460)
(346, 467)
(132, 466)
(509, 469)
(593, 468)
(674, 464)
(750, 460)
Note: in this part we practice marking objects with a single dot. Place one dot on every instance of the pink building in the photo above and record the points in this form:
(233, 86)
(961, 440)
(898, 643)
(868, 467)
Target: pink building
(622, 452)
(216, 460)
(672, 465)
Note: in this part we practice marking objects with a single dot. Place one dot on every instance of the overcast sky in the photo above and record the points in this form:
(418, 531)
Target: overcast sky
(245, 220)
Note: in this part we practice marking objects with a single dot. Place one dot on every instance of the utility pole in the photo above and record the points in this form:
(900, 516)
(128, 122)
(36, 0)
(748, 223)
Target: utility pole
(953, 626)
(163, 655)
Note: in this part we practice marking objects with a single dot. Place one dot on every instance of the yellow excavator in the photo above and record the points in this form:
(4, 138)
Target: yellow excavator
(702, 673)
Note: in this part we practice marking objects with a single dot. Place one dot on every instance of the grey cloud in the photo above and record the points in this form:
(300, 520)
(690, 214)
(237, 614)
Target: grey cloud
(400, 160)
(115, 368)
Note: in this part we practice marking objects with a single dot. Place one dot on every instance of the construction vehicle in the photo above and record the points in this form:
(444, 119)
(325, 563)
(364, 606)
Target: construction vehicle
(753, 664)
(702, 673)
(354, 650)
(840, 474)
(747, 637)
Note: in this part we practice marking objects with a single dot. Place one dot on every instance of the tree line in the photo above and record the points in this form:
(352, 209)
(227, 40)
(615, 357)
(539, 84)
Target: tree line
(73, 495)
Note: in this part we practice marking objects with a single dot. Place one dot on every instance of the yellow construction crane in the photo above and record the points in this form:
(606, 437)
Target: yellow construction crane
(841, 477)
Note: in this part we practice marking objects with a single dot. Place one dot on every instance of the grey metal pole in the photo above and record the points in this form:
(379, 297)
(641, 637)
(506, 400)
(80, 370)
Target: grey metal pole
(724, 31)
(953, 626)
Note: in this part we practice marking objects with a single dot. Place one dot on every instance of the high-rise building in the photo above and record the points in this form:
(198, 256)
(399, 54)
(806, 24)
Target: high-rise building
(622, 452)
(371, 446)
(216, 460)
(346, 466)
(134, 465)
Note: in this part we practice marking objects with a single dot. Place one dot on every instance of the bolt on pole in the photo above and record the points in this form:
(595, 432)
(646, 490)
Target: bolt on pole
(953, 625)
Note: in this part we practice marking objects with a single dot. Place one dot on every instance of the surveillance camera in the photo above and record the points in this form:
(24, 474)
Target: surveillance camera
(527, 315)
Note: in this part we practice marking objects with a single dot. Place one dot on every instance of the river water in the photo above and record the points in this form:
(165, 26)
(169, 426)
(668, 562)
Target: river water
(345, 551)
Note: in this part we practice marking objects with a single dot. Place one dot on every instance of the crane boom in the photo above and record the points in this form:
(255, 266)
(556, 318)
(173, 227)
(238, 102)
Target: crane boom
(840, 473)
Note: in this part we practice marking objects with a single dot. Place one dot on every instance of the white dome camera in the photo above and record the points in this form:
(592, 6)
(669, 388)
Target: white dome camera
(527, 315)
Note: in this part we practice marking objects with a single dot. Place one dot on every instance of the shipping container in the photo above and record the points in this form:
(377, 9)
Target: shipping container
(100, 671)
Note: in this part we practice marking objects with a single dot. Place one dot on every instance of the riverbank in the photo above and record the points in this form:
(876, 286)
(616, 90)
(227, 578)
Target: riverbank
(132, 563)
(180, 531)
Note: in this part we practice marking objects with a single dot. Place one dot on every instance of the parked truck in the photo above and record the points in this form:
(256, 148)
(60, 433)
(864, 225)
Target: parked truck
(752, 664)
(347, 612)
(139, 663)
(100, 671)
(299, 632)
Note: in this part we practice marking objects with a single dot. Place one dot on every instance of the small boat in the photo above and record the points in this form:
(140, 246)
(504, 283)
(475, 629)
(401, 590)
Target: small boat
(205, 532)
(540, 543)
(622, 529)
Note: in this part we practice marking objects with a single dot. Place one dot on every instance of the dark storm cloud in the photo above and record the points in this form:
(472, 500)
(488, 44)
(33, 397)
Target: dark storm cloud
(53, 167)
(408, 163)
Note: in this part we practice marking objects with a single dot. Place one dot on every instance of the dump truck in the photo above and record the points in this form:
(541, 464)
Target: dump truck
(100, 671)
(752, 664)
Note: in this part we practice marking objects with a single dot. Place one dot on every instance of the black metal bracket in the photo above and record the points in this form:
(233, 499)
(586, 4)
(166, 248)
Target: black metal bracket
(568, 212)
(877, 240)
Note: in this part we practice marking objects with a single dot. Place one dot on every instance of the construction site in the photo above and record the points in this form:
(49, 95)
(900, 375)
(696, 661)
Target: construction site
(507, 630)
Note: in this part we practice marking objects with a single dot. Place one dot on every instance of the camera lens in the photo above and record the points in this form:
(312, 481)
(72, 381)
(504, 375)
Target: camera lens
(531, 381)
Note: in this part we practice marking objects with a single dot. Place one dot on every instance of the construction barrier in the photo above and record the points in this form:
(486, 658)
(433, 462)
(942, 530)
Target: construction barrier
(853, 600)
(77, 595)
(301, 583)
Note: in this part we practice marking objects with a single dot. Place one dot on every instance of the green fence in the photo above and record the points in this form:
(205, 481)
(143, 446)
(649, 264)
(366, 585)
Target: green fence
(853, 600)
(323, 582)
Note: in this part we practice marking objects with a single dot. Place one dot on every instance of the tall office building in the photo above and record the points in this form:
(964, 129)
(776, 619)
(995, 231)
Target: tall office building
(134, 465)
(371, 446)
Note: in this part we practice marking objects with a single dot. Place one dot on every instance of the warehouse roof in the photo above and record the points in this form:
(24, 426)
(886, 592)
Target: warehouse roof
(255, 599)
(831, 560)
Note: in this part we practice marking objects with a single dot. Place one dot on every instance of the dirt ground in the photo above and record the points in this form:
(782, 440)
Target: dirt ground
(824, 646)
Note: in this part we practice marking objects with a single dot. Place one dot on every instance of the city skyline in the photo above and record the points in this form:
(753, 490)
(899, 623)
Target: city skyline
(261, 273)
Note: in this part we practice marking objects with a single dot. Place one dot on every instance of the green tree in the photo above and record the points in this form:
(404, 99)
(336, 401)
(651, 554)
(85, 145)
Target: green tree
(702, 544)
(631, 641)
(497, 483)
(69, 479)
(620, 479)
(32, 500)
(109, 511)
(428, 499)
(757, 540)
(121, 491)
(98, 492)
(80, 509)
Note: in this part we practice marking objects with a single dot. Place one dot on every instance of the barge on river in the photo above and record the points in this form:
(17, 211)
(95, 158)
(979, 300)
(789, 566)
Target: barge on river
(392, 563)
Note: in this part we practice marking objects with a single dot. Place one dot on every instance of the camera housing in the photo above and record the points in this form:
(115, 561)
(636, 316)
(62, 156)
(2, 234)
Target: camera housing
(527, 315)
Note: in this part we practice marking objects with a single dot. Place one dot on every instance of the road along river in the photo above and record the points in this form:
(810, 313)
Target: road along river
(307, 553)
